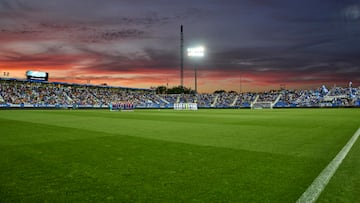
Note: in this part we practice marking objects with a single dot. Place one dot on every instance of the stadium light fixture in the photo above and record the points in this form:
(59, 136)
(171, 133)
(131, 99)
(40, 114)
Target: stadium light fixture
(196, 51)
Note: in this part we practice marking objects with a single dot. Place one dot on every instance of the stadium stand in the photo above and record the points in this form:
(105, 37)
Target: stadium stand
(30, 94)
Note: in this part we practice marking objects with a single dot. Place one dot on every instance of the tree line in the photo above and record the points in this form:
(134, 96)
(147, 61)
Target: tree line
(183, 90)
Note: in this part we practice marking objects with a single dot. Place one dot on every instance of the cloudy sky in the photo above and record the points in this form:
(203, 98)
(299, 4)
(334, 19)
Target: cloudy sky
(135, 43)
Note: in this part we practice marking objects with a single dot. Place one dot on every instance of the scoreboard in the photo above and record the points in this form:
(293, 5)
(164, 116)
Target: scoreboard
(37, 75)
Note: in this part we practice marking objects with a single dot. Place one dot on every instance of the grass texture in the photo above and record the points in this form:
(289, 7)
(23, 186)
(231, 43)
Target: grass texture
(175, 156)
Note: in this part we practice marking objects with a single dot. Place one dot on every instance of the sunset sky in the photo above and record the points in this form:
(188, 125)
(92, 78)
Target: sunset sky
(136, 43)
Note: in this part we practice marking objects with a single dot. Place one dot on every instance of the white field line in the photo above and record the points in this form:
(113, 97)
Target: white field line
(314, 190)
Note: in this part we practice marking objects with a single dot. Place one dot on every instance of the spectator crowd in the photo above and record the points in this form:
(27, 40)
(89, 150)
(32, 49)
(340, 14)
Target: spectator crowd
(29, 93)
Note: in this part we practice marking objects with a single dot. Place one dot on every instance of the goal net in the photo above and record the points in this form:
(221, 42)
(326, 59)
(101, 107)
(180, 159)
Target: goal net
(185, 106)
(262, 105)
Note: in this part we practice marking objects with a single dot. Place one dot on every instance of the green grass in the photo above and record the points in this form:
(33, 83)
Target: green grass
(175, 156)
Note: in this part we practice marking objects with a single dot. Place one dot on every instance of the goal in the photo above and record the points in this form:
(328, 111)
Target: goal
(185, 106)
(262, 105)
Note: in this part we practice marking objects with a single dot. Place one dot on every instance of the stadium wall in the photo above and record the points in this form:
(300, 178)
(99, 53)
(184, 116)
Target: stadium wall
(36, 106)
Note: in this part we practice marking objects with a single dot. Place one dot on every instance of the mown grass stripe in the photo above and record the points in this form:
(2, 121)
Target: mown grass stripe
(318, 185)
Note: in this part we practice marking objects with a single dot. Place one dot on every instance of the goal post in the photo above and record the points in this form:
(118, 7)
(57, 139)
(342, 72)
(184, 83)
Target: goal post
(262, 105)
(185, 106)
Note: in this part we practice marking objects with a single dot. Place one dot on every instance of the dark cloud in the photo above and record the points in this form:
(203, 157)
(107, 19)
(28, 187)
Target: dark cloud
(266, 3)
(110, 35)
(150, 60)
(268, 41)
(151, 19)
(13, 5)
(39, 60)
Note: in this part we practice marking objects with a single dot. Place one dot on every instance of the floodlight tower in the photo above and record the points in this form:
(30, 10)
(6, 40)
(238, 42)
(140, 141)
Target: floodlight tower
(181, 56)
(196, 52)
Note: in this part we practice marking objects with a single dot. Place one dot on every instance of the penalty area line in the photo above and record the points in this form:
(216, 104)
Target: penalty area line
(318, 185)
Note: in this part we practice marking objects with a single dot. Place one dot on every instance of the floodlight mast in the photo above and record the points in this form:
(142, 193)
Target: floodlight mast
(181, 56)
(196, 52)
(195, 70)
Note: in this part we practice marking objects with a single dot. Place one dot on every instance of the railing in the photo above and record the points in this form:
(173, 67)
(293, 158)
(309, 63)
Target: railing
(215, 101)
(252, 103)
(234, 102)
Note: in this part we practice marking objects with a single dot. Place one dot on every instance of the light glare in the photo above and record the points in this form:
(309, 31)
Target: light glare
(196, 51)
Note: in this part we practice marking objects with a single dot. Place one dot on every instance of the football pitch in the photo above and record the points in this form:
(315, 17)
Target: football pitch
(176, 156)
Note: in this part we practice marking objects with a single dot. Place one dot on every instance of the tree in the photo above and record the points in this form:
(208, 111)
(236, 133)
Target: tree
(161, 90)
(219, 91)
(174, 90)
